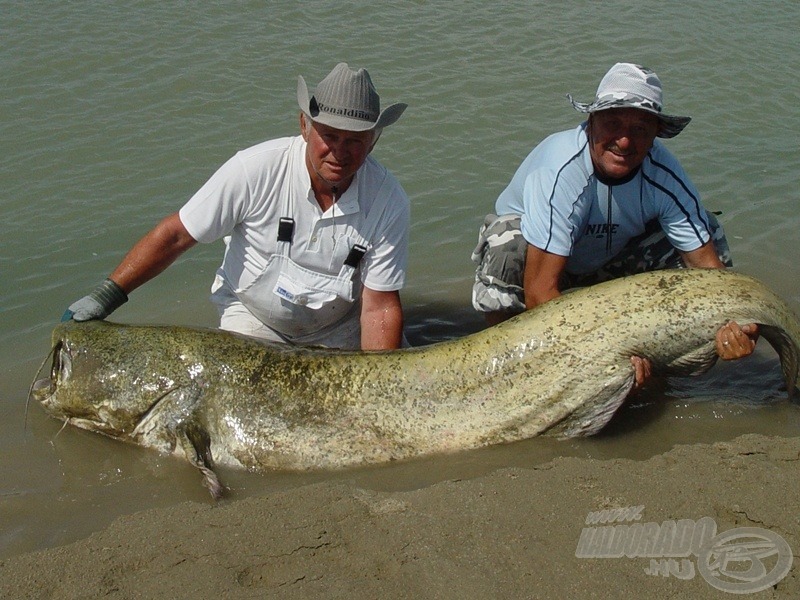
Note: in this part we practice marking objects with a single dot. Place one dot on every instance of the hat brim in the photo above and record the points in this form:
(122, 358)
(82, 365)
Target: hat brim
(309, 106)
(671, 125)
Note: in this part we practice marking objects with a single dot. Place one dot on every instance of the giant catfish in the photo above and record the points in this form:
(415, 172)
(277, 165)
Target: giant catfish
(222, 399)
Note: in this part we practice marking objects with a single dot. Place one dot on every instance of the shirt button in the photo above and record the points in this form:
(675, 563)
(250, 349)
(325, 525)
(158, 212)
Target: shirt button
(314, 239)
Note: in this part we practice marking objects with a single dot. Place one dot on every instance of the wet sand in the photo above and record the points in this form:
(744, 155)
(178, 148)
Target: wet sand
(513, 533)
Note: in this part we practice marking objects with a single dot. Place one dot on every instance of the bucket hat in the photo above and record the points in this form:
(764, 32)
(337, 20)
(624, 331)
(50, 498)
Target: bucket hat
(346, 99)
(632, 86)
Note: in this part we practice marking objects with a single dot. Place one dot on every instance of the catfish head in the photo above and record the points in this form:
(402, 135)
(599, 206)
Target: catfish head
(101, 381)
(131, 383)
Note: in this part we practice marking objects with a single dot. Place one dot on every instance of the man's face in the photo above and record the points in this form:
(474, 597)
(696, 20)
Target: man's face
(619, 140)
(334, 155)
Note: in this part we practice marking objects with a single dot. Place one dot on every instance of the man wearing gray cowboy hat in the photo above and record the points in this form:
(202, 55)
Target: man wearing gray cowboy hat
(603, 200)
(316, 230)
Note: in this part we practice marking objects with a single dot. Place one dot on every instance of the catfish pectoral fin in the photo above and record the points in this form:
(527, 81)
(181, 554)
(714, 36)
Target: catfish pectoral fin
(196, 445)
(211, 482)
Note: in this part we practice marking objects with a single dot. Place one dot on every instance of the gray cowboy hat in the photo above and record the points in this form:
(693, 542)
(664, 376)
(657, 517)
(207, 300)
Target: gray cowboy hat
(346, 99)
(632, 86)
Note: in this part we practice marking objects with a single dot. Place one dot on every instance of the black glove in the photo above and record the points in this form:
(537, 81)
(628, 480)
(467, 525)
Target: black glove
(105, 299)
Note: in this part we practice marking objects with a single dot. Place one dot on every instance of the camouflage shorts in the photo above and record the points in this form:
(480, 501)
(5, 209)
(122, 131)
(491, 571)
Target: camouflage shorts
(500, 255)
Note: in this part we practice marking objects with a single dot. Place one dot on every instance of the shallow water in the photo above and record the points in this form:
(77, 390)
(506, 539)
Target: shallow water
(113, 115)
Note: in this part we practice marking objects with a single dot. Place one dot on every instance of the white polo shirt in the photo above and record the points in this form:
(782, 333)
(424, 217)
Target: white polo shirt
(247, 196)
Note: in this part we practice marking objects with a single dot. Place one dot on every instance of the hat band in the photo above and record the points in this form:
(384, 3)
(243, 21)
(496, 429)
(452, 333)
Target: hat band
(625, 99)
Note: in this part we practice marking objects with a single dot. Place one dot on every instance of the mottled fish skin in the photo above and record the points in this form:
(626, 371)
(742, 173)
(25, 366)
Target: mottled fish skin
(562, 368)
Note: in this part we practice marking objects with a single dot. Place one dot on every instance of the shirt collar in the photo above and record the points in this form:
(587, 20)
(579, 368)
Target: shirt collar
(348, 202)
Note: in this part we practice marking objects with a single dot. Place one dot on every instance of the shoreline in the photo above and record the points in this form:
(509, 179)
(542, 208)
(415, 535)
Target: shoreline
(512, 533)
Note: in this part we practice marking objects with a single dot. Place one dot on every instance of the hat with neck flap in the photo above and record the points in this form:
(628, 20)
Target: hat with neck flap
(346, 99)
(632, 86)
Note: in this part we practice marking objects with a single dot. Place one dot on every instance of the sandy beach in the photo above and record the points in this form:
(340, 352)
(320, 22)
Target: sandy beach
(514, 533)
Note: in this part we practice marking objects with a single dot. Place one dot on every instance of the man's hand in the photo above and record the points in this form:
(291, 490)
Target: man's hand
(643, 370)
(105, 299)
(734, 341)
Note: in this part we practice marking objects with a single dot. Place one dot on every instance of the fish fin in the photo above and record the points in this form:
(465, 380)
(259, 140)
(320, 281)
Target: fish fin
(170, 422)
(597, 411)
(693, 363)
(787, 351)
(167, 410)
(196, 445)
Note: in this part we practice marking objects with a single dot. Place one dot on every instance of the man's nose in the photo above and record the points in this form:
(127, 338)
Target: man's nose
(338, 148)
(624, 139)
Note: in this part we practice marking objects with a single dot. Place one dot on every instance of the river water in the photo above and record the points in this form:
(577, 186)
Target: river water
(113, 114)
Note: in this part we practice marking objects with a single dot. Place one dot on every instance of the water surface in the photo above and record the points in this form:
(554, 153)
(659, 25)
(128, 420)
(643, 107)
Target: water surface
(114, 114)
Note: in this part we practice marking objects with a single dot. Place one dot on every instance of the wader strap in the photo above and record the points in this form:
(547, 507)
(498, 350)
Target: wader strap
(357, 252)
(285, 229)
